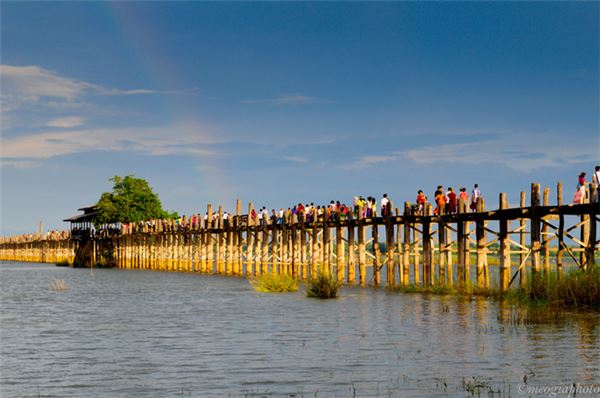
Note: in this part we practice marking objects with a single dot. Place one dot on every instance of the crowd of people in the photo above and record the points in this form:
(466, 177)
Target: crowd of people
(446, 202)
(53, 235)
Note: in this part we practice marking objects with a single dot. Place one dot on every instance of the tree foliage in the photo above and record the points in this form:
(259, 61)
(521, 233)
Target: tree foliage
(131, 200)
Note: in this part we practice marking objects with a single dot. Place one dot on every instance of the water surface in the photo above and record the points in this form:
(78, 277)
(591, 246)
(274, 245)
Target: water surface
(120, 333)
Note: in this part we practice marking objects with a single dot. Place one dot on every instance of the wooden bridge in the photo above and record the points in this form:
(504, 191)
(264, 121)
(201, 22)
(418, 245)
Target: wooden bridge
(400, 249)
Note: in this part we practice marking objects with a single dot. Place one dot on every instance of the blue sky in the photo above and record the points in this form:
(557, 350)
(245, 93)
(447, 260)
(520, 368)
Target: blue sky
(285, 102)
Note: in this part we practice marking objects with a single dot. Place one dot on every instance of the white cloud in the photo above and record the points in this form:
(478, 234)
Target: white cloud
(67, 122)
(140, 91)
(288, 99)
(524, 153)
(190, 139)
(24, 86)
(19, 163)
(295, 159)
(32, 82)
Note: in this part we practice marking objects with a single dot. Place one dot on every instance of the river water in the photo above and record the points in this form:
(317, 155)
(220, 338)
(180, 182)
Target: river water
(119, 333)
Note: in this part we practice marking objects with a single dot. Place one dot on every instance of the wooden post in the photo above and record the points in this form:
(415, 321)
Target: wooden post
(406, 251)
(591, 238)
(376, 254)
(522, 255)
(415, 248)
(467, 231)
(237, 238)
(390, 247)
(285, 234)
(280, 247)
(351, 249)
(535, 228)
(442, 273)
(449, 265)
(209, 240)
(219, 231)
(264, 256)
(462, 241)
(303, 251)
(295, 246)
(362, 256)
(399, 246)
(482, 264)
(585, 233)
(544, 236)
(250, 242)
(339, 247)
(229, 236)
(314, 263)
(505, 266)
(427, 260)
(256, 249)
(561, 230)
(325, 238)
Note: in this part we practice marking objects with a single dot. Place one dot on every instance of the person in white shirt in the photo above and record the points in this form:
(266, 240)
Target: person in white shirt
(264, 216)
(385, 205)
(475, 194)
(596, 180)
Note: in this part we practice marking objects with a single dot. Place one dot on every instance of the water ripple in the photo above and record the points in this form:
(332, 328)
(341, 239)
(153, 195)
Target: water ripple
(118, 333)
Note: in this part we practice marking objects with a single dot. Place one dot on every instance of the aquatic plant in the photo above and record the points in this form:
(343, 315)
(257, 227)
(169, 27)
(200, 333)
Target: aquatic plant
(577, 288)
(574, 289)
(274, 283)
(324, 286)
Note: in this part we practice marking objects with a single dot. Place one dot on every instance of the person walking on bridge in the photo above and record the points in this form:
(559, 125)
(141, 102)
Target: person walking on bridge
(596, 181)
(385, 205)
(475, 195)
(580, 193)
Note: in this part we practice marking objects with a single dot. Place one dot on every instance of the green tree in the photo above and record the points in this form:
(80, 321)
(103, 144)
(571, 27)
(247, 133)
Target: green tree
(131, 200)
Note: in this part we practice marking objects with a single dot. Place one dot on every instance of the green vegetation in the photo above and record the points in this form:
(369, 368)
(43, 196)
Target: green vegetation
(131, 200)
(324, 286)
(274, 283)
(446, 290)
(574, 289)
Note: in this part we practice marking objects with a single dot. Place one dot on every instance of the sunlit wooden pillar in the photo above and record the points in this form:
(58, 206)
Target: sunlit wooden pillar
(362, 256)
(406, 252)
(504, 242)
(390, 245)
(462, 241)
(351, 253)
(250, 242)
(544, 235)
(535, 229)
(483, 280)
(522, 242)
(561, 230)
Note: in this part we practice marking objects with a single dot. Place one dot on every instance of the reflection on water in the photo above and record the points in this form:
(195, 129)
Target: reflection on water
(116, 333)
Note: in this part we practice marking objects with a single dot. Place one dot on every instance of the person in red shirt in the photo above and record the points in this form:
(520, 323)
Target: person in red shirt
(451, 201)
(421, 200)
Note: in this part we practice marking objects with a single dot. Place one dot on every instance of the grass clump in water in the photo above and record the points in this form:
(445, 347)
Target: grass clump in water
(324, 286)
(275, 283)
(579, 288)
